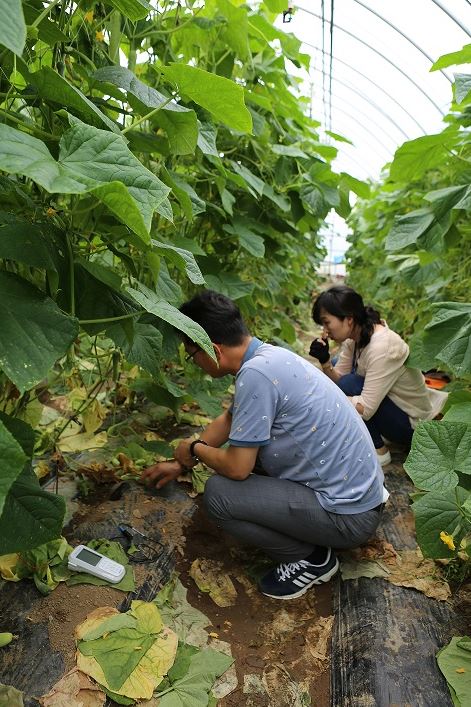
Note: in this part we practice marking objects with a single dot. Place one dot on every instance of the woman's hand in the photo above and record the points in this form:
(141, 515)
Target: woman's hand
(320, 350)
(162, 473)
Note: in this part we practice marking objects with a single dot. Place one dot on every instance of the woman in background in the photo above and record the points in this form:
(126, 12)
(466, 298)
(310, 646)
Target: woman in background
(370, 368)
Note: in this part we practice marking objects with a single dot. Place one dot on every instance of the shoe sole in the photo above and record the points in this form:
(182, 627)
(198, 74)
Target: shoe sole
(319, 580)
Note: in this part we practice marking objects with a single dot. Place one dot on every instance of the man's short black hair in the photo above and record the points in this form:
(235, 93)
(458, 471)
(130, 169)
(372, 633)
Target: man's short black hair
(218, 315)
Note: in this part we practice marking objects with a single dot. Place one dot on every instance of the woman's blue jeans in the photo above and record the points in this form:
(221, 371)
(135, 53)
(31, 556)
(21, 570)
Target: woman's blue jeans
(389, 420)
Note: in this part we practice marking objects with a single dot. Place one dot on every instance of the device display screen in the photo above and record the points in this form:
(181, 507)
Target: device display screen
(89, 557)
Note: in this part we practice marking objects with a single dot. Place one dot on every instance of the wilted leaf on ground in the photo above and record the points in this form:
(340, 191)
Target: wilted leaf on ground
(209, 577)
(282, 689)
(193, 687)
(407, 568)
(8, 567)
(227, 682)
(188, 623)
(74, 689)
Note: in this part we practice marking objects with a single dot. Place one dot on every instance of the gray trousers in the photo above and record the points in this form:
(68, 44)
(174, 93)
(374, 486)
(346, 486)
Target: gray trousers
(283, 518)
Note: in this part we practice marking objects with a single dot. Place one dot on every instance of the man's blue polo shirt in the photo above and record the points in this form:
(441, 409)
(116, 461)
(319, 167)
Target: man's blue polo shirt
(306, 429)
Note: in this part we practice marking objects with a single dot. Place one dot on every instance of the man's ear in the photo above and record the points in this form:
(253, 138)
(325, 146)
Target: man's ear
(217, 351)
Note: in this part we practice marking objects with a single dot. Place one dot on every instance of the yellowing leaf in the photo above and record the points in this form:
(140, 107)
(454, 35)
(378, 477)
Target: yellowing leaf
(147, 615)
(149, 672)
(81, 442)
(93, 416)
(210, 578)
(7, 567)
(41, 469)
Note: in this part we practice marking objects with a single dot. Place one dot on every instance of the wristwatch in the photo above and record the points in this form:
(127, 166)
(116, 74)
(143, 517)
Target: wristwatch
(192, 448)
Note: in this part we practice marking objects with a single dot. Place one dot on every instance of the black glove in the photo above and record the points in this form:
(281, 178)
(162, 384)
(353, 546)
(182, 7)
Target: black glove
(320, 350)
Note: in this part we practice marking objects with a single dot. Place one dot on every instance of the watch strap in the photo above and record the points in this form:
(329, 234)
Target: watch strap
(192, 447)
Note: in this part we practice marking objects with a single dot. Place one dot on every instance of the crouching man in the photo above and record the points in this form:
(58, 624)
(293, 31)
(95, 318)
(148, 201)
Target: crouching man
(322, 488)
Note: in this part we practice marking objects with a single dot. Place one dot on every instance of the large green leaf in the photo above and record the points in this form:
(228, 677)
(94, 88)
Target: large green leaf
(249, 241)
(207, 134)
(118, 654)
(12, 26)
(229, 284)
(463, 56)
(436, 513)
(192, 685)
(459, 412)
(90, 160)
(409, 228)
(183, 259)
(21, 431)
(163, 310)
(35, 333)
(12, 462)
(221, 97)
(134, 9)
(447, 337)
(36, 244)
(188, 199)
(180, 123)
(30, 515)
(234, 32)
(54, 88)
(145, 349)
(415, 157)
(439, 450)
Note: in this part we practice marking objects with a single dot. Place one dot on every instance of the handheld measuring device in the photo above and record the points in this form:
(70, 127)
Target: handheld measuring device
(83, 559)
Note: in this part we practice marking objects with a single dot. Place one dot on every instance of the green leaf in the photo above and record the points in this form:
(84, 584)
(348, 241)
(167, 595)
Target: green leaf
(289, 151)
(451, 659)
(207, 134)
(192, 689)
(250, 241)
(21, 431)
(48, 31)
(463, 56)
(254, 183)
(158, 394)
(180, 123)
(30, 515)
(407, 229)
(313, 200)
(460, 412)
(10, 696)
(13, 460)
(229, 284)
(361, 189)
(462, 87)
(163, 310)
(435, 513)
(415, 157)
(439, 450)
(448, 335)
(118, 654)
(12, 26)
(145, 349)
(36, 244)
(35, 333)
(223, 98)
(189, 200)
(90, 160)
(54, 88)
(134, 9)
(183, 259)
(114, 623)
(235, 31)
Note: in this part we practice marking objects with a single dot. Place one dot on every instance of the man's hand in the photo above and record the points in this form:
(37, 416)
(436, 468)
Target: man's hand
(182, 453)
(162, 473)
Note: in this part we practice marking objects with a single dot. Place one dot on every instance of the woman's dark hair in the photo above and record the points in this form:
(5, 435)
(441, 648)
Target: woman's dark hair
(219, 316)
(342, 301)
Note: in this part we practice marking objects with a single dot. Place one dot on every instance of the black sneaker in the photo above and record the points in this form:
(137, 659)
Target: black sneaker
(292, 580)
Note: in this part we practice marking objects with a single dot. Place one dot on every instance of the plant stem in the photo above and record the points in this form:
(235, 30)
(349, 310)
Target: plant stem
(72, 275)
(147, 116)
(112, 319)
(45, 12)
(32, 128)
(115, 36)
